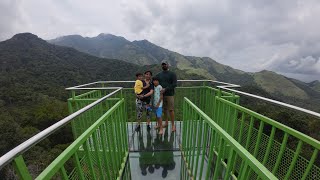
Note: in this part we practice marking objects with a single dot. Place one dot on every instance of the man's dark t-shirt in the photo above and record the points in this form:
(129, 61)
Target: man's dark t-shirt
(168, 80)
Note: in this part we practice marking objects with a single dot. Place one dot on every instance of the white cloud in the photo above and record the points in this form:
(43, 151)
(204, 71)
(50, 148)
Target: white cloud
(250, 35)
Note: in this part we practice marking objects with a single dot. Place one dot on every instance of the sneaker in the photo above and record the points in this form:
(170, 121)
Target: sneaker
(138, 128)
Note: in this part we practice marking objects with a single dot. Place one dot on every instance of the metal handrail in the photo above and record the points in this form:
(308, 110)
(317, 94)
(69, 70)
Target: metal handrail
(9, 156)
(225, 86)
(273, 101)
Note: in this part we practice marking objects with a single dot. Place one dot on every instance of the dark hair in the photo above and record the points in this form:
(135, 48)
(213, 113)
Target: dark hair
(139, 74)
(148, 72)
(155, 79)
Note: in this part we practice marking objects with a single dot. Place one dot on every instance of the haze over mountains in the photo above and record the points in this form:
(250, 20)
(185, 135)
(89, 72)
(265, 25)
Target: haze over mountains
(144, 53)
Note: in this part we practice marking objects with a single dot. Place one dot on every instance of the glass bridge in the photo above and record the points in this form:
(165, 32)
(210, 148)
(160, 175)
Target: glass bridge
(216, 138)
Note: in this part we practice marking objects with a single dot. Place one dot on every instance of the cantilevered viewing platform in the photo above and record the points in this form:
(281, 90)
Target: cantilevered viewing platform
(216, 138)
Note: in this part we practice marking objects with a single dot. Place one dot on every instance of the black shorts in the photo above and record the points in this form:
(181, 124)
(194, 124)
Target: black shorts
(147, 100)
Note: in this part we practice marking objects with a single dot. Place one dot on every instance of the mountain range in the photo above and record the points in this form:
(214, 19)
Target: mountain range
(144, 53)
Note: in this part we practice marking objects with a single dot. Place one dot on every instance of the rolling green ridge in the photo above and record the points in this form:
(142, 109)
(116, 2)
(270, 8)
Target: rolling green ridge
(315, 85)
(107, 46)
(271, 82)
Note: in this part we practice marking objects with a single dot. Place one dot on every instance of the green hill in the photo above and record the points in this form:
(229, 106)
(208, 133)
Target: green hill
(315, 85)
(107, 46)
(204, 66)
(278, 84)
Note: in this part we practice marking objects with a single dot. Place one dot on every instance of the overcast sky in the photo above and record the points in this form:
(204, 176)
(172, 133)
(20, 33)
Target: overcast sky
(278, 35)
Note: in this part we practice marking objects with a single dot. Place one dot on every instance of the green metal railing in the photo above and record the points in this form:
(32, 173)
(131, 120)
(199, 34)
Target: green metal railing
(276, 146)
(220, 139)
(100, 152)
(100, 148)
(201, 135)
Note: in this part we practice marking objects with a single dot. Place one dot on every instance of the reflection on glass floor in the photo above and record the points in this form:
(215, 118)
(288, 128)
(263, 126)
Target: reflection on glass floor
(150, 140)
(154, 156)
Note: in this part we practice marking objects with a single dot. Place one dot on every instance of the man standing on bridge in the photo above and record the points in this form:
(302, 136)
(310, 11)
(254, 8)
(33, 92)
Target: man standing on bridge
(168, 80)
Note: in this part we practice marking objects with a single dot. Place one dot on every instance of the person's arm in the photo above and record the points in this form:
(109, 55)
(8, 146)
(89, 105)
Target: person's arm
(149, 93)
(147, 86)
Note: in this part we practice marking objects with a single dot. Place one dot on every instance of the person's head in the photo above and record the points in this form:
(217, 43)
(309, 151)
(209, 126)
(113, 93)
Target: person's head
(139, 76)
(155, 81)
(148, 75)
(151, 169)
(164, 65)
(144, 172)
(164, 172)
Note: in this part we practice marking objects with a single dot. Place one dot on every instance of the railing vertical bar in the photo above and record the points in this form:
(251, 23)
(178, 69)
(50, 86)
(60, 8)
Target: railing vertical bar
(243, 116)
(184, 126)
(294, 160)
(231, 160)
(78, 166)
(227, 118)
(204, 147)
(195, 131)
(235, 119)
(310, 164)
(247, 141)
(244, 171)
(256, 148)
(114, 144)
(63, 173)
(111, 145)
(205, 136)
(89, 158)
(211, 152)
(118, 131)
(200, 98)
(123, 117)
(220, 155)
(199, 140)
(104, 149)
(190, 135)
(266, 155)
(282, 149)
(97, 151)
(249, 133)
(187, 131)
(73, 124)
(21, 168)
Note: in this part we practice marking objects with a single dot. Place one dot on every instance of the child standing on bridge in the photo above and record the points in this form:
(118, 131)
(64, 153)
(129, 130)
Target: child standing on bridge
(157, 103)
